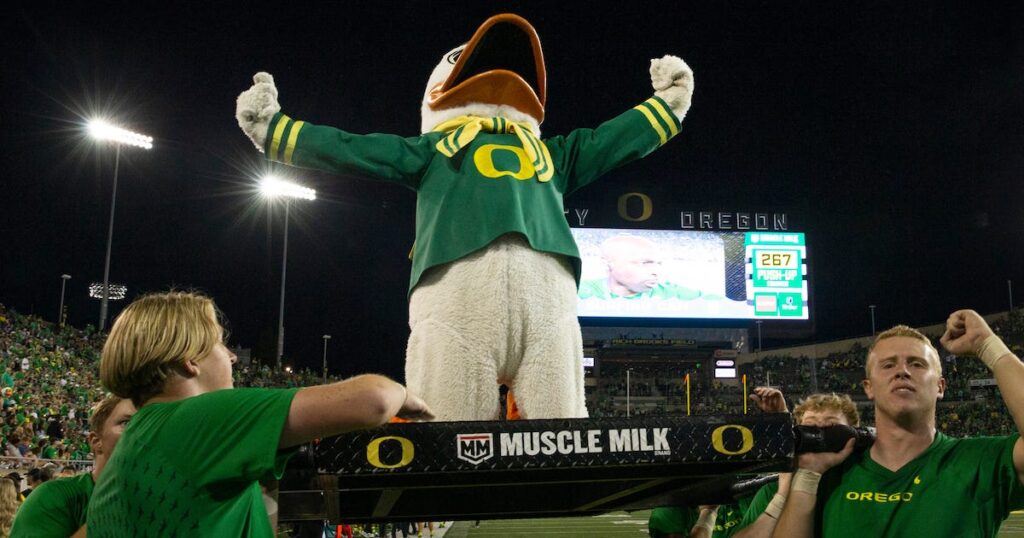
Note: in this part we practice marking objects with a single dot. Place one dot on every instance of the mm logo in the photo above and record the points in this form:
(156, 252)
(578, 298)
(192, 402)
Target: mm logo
(474, 448)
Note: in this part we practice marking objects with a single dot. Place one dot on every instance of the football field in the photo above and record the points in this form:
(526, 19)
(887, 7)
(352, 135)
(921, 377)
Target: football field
(616, 524)
(1013, 527)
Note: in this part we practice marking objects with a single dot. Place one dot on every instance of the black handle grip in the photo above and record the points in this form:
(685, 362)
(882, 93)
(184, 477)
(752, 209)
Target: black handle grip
(831, 438)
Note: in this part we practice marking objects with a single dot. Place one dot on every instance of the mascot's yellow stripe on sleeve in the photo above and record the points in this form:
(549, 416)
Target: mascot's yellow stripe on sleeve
(275, 142)
(290, 147)
(646, 108)
(666, 116)
(288, 130)
(654, 122)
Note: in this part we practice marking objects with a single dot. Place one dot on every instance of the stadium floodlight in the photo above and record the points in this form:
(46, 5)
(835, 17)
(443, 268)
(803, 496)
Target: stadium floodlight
(60, 312)
(103, 131)
(326, 338)
(115, 292)
(272, 187)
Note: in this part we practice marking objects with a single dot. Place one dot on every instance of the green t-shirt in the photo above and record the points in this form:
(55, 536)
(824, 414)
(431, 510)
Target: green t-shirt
(190, 467)
(598, 289)
(760, 503)
(957, 487)
(681, 519)
(671, 519)
(55, 508)
(486, 189)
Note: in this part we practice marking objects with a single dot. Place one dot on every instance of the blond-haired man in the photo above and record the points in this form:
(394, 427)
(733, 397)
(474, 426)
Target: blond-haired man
(59, 507)
(821, 410)
(915, 481)
(190, 461)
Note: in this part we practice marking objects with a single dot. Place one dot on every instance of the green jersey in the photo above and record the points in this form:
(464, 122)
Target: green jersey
(190, 467)
(957, 487)
(488, 187)
(760, 503)
(598, 289)
(680, 519)
(55, 508)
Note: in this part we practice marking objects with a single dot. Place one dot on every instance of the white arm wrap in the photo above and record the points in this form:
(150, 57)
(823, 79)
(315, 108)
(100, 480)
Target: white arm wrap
(775, 507)
(991, 350)
(805, 481)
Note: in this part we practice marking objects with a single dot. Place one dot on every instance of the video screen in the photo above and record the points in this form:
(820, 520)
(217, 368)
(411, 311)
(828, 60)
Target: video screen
(692, 274)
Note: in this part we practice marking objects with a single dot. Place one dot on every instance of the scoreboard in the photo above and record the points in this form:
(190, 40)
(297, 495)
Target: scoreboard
(776, 272)
(695, 274)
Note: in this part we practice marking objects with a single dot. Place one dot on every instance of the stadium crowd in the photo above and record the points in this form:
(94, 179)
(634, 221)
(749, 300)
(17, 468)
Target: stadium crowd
(660, 388)
(50, 381)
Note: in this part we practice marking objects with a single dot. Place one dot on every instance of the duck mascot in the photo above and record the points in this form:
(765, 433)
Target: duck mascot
(492, 293)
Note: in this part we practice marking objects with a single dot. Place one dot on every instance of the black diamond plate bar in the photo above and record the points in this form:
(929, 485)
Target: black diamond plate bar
(479, 470)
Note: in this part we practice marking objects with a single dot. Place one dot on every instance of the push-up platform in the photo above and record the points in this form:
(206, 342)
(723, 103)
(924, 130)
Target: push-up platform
(532, 468)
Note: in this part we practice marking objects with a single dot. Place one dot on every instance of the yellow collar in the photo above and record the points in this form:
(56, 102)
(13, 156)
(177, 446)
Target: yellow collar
(463, 129)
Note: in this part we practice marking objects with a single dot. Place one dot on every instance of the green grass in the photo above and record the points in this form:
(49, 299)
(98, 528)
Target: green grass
(1013, 527)
(617, 524)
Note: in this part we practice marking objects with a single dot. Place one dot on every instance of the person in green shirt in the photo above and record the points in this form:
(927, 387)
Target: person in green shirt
(58, 507)
(821, 410)
(705, 521)
(191, 459)
(46, 450)
(914, 480)
(715, 521)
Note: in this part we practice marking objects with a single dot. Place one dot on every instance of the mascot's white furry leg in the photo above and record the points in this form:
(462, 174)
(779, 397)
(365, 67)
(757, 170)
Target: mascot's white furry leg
(459, 323)
(548, 382)
(504, 313)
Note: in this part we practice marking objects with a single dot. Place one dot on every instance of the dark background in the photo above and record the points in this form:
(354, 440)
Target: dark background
(891, 133)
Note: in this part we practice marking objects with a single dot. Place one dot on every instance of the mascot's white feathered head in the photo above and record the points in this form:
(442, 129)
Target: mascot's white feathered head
(499, 72)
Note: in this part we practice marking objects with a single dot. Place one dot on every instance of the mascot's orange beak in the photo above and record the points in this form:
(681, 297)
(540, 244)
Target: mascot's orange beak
(502, 64)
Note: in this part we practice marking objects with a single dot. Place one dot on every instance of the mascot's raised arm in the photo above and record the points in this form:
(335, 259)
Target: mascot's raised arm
(492, 294)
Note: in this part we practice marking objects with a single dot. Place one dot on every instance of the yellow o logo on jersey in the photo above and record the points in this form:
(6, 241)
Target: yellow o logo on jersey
(719, 444)
(483, 158)
(647, 207)
(373, 452)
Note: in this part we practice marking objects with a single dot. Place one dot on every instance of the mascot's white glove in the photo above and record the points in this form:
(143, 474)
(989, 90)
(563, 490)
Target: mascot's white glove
(257, 106)
(673, 81)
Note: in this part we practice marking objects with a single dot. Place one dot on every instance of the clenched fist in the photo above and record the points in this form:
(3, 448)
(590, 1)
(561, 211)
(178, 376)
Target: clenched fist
(256, 107)
(673, 81)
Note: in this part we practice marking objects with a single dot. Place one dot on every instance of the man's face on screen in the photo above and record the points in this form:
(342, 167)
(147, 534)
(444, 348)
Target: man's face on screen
(637, 270)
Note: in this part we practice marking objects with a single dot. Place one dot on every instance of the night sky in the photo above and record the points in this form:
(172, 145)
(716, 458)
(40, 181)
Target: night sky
(892, 134)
